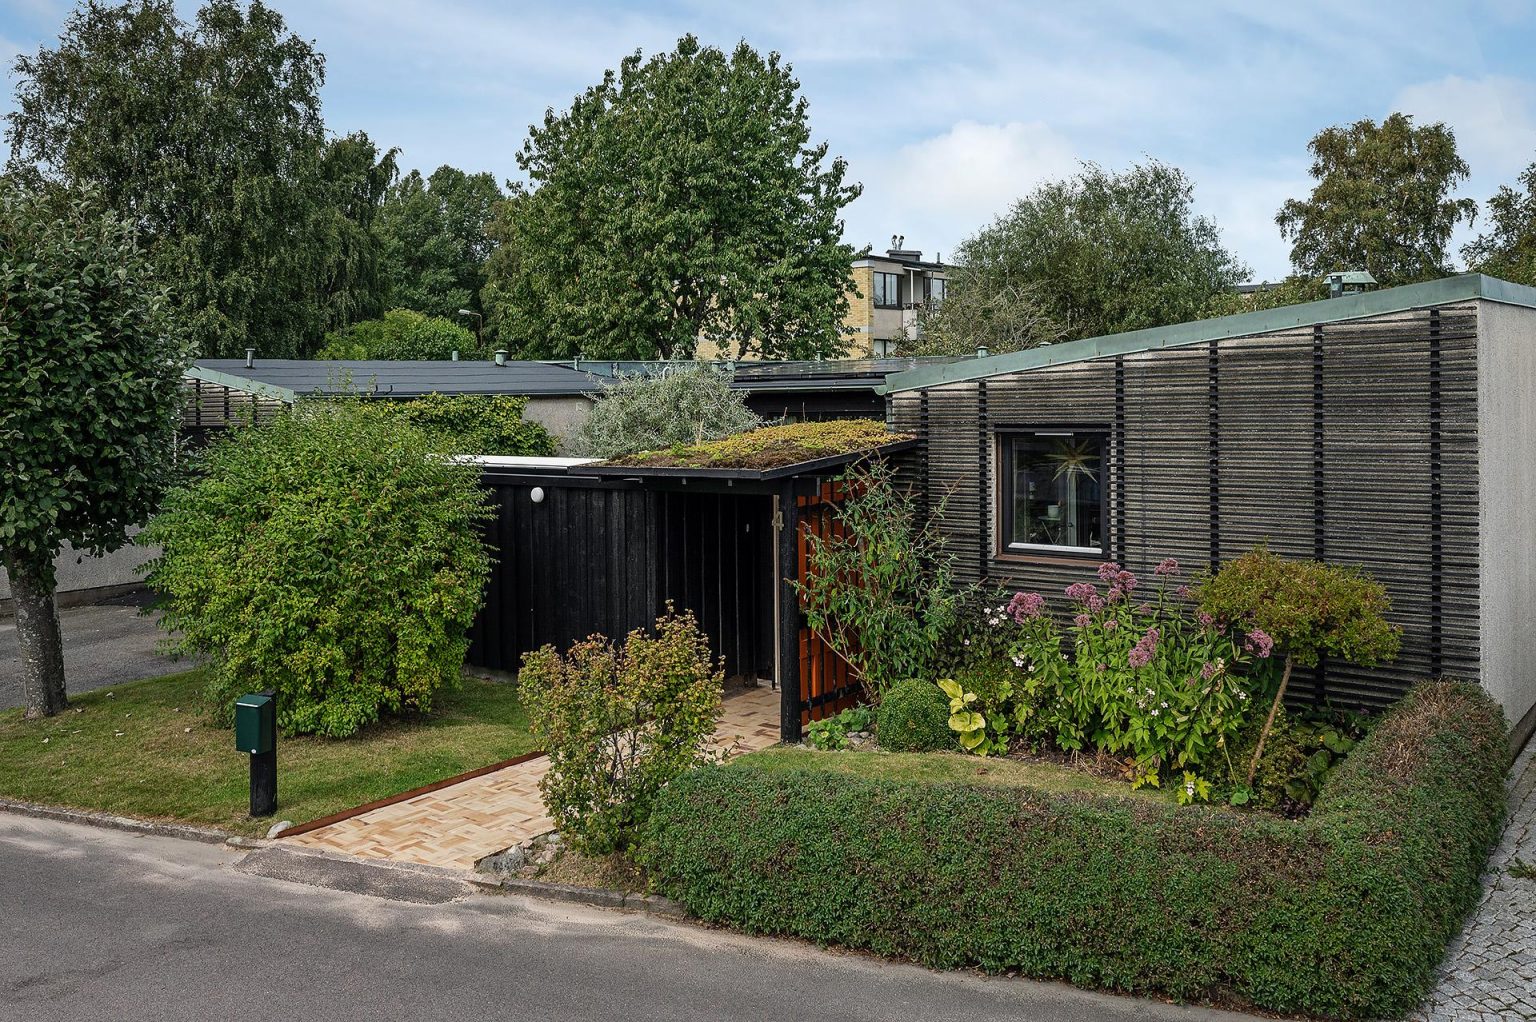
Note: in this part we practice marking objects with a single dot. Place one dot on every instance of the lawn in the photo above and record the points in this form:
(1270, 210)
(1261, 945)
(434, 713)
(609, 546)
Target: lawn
(151, 750)
(945, 766)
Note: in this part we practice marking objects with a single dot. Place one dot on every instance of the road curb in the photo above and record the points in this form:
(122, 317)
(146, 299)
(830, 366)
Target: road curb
(64, 814)
(650, 904)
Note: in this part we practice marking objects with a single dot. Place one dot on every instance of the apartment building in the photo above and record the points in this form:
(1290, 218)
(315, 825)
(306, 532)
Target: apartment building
(885, 294)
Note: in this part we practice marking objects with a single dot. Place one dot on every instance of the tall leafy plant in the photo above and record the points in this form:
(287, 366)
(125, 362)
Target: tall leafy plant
(1306, 609)
(881, 589)
(683, 405)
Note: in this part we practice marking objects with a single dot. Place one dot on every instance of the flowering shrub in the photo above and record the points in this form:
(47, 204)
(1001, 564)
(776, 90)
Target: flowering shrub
(619, 724)
(1135, 674)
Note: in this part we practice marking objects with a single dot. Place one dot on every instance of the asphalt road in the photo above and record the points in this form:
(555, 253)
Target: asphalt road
(107, 925)
(107, 644)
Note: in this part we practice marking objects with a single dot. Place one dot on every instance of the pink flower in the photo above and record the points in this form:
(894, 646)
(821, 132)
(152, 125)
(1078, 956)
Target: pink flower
(1205, 619)
(1183, 592)
(1139, 656)
(1025, 606)
(1081, 591)
(1145, 608)
(1108, 571)
(1095, 604)
(1111, 625)
(1259, 643)
(1208, 671)
(1125, 580)
(1082, 620)
(1167, 566)
(1113, 593)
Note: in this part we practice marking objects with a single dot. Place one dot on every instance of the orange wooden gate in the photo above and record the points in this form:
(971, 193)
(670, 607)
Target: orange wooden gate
(829, 684)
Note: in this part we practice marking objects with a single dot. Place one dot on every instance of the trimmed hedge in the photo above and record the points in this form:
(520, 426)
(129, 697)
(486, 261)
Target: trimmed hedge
(1344, 914)
(914, 717)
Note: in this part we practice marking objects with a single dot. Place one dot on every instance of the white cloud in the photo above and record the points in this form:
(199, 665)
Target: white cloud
(939, 190)
(1491, 116)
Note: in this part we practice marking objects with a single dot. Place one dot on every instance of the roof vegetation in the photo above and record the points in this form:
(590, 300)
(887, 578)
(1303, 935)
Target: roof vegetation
(773, 446)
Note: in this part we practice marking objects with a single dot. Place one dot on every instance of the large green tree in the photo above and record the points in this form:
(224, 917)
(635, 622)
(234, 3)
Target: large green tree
(91, 358)
(680, 199)
(1104, 252)
(436, 236)
(1383, 201)
(1508, 247)
(209, 136)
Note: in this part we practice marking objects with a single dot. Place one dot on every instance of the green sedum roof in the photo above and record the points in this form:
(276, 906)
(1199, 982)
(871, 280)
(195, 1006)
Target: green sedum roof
(1444, 291)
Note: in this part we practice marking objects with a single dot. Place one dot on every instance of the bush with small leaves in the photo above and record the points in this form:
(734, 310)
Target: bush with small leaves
(914, 717)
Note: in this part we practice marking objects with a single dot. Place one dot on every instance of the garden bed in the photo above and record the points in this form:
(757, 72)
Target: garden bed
(150, 750)
(1343, 914)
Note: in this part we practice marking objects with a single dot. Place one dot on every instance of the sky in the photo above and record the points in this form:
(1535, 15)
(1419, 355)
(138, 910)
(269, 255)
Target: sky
(949, 112)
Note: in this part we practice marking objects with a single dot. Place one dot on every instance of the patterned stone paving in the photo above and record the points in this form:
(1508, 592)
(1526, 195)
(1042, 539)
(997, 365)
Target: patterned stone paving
(1489, 971)
(462, 823)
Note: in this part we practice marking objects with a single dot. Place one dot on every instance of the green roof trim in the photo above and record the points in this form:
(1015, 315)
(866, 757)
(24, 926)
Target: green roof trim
(1362, 305)
(240, 383)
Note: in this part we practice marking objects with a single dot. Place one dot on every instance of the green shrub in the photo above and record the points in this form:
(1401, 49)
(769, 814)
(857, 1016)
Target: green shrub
(685, 405)
(914, 717)
(831, 733)
(328, 555)
(880, 589)
(474, 424)
(619, 724)
(1344, 914)
(402, 335)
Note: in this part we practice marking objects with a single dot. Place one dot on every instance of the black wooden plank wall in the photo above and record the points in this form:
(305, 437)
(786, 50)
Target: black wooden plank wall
(605, 558)
(1355, 442)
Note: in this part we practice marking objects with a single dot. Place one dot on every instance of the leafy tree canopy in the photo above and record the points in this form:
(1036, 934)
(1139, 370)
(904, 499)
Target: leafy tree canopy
(436, 238)
(90, 387)
(209, 136)
(1103, 252)
(1382, 202)
(1006, 318)
(401, 335)
(1508, 247)
(679, 199)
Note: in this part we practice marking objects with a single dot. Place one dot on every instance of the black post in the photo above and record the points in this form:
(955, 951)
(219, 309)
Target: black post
(786, 521)
(264, 771)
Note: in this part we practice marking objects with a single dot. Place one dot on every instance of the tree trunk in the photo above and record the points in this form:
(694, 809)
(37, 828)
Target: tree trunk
(37, 634)
(1253, 764)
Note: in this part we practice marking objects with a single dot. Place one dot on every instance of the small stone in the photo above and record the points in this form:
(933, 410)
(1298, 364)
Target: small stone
(276, 828)
(186, 731)
(46, 741)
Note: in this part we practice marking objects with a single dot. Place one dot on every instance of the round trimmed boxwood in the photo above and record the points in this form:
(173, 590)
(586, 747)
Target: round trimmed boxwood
(914, 717)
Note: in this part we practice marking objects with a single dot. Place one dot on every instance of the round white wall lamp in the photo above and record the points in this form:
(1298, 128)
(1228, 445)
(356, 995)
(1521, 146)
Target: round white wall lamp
(536, 494)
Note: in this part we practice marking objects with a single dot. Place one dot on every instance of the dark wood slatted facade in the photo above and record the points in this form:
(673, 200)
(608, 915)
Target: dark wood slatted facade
(598, 556)
(1352, 441)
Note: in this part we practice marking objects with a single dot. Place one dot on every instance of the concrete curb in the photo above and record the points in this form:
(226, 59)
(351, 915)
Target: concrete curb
(206, 835)
(628, 901)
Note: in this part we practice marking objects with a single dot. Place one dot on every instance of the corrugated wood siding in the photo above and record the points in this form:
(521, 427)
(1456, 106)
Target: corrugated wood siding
(1319, 441)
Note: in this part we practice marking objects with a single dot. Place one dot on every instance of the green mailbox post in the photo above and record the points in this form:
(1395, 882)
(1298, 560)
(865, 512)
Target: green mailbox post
(256, 735)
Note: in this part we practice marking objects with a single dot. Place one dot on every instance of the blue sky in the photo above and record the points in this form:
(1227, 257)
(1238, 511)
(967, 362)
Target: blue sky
(948, 111)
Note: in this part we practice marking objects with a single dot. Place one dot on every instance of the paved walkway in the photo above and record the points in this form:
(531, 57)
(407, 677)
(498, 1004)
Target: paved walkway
(458, 825)
(1489, 971)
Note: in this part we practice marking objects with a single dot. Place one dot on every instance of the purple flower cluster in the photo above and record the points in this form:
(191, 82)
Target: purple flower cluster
(1259, 643)
(1082, 620)
(1120, 581)
(1025, 606)
(1208, 671)
(1082, 592)
(1167, 566)
(1141, 653)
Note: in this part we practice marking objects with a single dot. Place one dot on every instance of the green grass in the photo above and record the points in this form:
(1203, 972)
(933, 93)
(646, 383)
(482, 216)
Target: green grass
(151, 750)
(944, 766)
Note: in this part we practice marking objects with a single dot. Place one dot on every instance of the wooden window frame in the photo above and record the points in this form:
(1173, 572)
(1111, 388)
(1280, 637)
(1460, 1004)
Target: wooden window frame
(1003, 548)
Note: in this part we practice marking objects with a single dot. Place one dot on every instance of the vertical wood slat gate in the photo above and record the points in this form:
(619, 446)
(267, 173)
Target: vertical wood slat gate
(829, 684)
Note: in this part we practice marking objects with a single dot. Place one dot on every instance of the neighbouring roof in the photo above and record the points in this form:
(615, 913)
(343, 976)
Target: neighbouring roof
(775, 376)
(1361, 305)
(286, 379)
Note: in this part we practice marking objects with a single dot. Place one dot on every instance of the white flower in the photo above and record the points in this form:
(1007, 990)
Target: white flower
(1154, 713)
(1165, 704)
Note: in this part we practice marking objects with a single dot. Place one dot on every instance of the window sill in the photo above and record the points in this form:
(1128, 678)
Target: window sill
(1067, 558)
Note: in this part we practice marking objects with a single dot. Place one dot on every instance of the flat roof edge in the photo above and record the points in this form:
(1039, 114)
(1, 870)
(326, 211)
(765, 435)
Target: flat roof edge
(1406, 298)
(240, 383)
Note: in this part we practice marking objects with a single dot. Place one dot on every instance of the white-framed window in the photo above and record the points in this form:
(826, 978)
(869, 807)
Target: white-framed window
(1052, 490)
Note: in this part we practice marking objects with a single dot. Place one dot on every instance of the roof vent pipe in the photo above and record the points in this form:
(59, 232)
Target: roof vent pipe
(250, 358)
(501, 356)
(981, 351)
(453, 356)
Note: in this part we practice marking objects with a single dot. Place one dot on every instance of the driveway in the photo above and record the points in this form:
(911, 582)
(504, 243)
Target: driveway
(107, 644)
(107, 925)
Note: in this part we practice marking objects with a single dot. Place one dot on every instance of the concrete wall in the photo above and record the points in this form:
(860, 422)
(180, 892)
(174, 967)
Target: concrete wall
(79, 573)
(562, 416)
(1506, 375)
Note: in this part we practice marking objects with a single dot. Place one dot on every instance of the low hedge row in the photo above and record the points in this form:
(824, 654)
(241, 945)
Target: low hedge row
(1344, 914)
